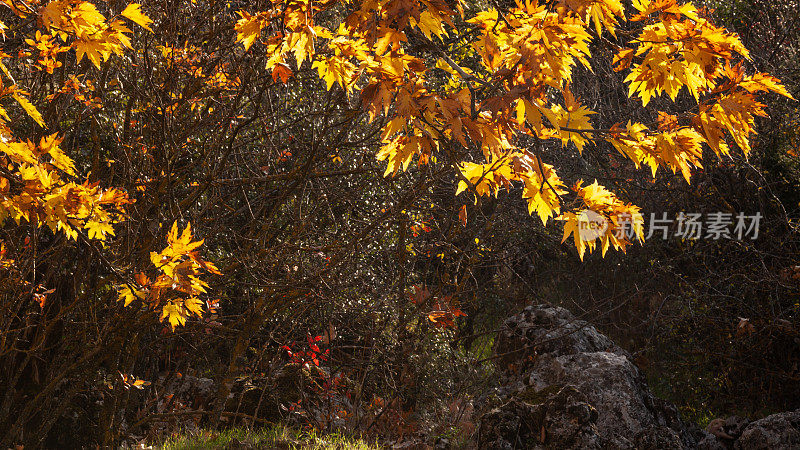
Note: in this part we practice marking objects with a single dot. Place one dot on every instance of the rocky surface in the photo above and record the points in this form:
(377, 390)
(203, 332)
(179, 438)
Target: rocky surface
(566, 385)
(540, 330)
(778, 431)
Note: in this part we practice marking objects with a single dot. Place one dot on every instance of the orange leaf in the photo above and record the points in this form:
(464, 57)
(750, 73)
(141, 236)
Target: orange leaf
(282, 72)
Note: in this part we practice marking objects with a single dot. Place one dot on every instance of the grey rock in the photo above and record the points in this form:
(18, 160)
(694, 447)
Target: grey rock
(778, 431)
(734, 426)
(566, 385)
(195, 392)
(657, 438)
(710, 442)
(563, 420)
(543, 329)
(616, 389)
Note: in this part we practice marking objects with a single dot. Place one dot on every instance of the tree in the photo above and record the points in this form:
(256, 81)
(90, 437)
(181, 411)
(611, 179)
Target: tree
(254, 128)
(527, 56)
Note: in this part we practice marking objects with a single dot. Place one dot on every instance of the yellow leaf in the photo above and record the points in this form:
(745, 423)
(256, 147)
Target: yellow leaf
(431, 25)
(95, 49)
(84, 16)
(173, 314)
(576, 118)
(194, 305)
(336, 69)
(98, 230)
(572, 227)
(399, 152)
(542, 188)
(764, 82)
(133, 12)
(140, 384)
(51, 145)
(128, 295)
(28, 107)
(302, 44)
(248, 28)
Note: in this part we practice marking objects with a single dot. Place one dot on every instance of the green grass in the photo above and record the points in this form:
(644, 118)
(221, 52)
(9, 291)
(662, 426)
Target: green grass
(272, 437)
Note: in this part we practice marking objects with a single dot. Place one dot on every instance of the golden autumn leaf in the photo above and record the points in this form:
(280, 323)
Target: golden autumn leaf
(173, 314)
(398, 153)
(249, 27)
(98, 229)
(573, 124)
(133, 12)
(31, 110)
(127, 295)
(431, 25)
(177, 286)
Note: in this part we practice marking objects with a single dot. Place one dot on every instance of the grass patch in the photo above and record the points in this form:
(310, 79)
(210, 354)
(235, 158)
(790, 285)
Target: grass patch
(274, 436)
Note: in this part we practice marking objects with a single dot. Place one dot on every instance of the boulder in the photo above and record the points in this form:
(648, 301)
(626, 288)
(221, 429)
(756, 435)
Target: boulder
(566, 385)
(542, 329)
(778, 431)
(192, 392)
(564, 417)
(615, 387)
